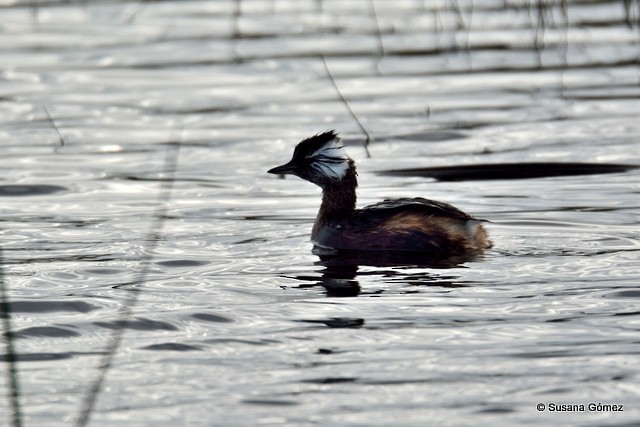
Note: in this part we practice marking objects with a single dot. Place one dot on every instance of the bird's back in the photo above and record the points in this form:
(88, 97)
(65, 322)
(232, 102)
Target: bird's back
(408, 224)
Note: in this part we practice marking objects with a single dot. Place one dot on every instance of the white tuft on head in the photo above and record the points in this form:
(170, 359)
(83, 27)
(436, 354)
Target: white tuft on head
(331, 159)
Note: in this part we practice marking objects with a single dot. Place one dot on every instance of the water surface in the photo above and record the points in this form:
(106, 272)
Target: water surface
(237, 321)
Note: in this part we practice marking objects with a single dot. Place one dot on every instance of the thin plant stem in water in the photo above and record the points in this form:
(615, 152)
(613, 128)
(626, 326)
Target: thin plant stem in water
(132, 15)
(10, 353)
(236, 14)
(344, 101)
(35, 15)
(631, 14)
(61, 142)
(380, 50)
(126, 310)
(235, 19)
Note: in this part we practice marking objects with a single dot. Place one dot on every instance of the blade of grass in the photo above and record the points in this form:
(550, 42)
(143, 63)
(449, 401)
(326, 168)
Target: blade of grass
(380, 50)
(126, 310)
(10, 353)
(344, 101)
(55, 127)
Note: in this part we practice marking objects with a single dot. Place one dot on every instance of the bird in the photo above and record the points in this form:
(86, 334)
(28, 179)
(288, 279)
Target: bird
(404, 225)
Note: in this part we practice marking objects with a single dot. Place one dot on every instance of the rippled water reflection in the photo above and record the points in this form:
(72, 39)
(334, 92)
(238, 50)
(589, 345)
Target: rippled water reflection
(238, 322)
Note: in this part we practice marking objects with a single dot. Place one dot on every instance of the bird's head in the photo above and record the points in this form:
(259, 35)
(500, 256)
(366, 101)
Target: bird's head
(321, 159)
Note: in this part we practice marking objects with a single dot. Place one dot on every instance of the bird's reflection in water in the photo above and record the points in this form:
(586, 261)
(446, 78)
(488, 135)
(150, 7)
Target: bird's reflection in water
(341, 269)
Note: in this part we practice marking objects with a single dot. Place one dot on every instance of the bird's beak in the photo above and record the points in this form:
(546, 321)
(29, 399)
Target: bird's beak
(288, 168)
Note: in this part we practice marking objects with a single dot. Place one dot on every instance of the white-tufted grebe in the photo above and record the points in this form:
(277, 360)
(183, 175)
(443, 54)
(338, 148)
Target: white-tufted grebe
(413, 225)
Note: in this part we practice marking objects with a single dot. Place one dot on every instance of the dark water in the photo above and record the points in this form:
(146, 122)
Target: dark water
(237, 322)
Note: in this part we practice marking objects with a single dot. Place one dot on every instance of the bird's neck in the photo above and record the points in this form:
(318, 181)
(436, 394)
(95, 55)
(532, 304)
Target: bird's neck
(338, 201)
